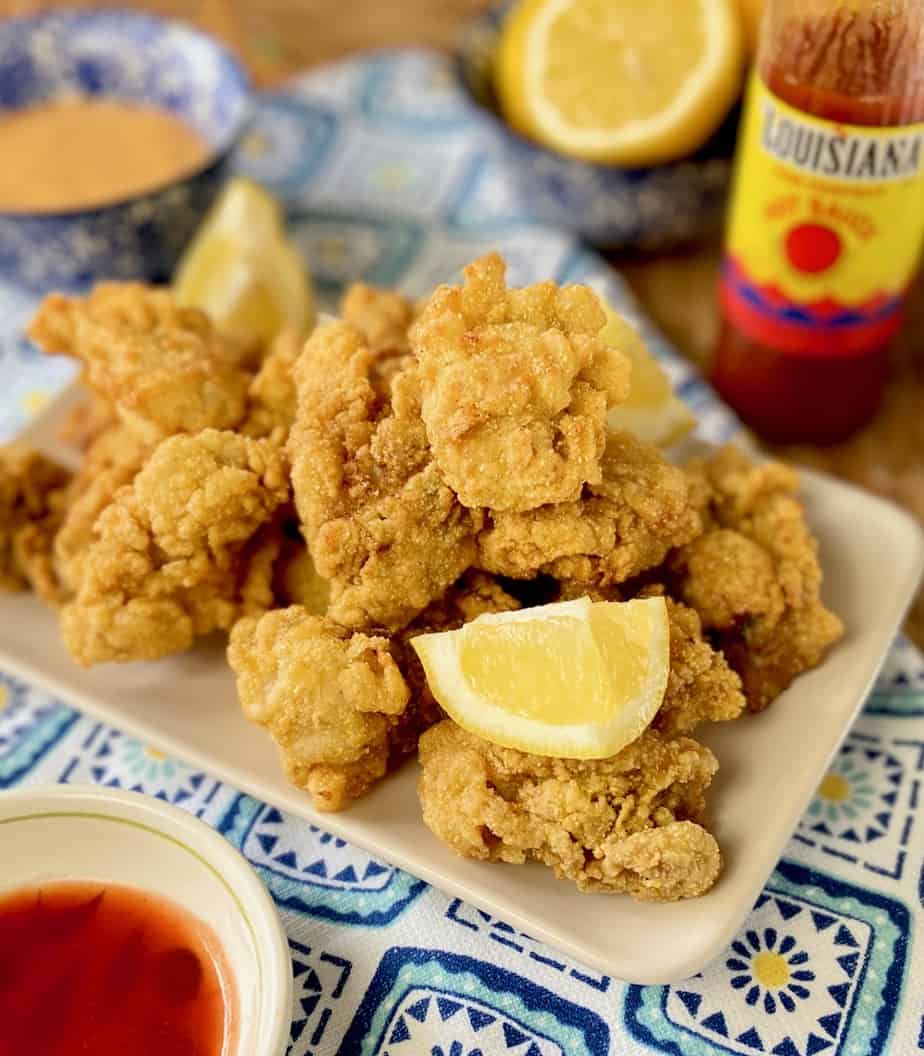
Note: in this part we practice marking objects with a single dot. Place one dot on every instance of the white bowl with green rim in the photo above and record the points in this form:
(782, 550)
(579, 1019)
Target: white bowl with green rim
(69, 833)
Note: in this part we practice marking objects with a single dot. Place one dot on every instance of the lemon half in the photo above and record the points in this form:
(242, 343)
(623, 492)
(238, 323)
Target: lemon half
(621, 82)
(243, 272)
(577, 679)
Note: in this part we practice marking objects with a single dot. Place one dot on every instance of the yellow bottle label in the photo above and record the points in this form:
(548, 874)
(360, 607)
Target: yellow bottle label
(825, 231)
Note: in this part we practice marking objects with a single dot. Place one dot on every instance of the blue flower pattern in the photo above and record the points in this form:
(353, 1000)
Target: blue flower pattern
(145, 763)
(768, 969)
(847, 790)
(865, 809)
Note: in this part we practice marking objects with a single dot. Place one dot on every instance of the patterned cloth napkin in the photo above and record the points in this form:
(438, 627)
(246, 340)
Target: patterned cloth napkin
(390, 177)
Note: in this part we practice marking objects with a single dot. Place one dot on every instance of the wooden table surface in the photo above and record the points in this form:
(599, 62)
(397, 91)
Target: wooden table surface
(279, 37)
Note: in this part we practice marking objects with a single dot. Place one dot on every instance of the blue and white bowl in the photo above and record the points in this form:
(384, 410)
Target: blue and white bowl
(614, 209)
(130, 56)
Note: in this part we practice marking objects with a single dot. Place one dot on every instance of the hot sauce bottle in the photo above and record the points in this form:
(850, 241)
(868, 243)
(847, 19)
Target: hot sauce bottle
(827, 215)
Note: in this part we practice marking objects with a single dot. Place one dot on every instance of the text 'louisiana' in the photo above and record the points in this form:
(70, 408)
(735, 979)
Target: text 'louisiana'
(840, 154)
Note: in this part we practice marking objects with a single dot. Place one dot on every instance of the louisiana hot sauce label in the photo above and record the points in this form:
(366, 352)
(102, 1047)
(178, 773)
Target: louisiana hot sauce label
(826, 226)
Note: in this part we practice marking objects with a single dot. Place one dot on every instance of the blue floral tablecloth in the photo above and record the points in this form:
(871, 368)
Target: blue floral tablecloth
(389, 177)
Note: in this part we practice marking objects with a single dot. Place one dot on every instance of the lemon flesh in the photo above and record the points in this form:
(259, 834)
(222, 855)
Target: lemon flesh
(651, 411)
(574, 680)
(243, 272)
(621, 82)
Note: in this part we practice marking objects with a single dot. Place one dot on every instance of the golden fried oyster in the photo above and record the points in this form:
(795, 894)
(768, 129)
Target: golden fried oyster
(271, 394)
(32, 497)
(329, 697)
(753, 576)
(164, 369)
(515, 386)
(701, 687)
(629, 824)
(344, 707)
(170, 557)
(85, 422)
(619, 527)
(383, 317)
(380, 522)
(112, 460)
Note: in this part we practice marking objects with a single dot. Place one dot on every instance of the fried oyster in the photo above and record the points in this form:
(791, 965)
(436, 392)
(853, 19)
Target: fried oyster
(753, 576)
(515, 385)
(344, 706)
(629, 824)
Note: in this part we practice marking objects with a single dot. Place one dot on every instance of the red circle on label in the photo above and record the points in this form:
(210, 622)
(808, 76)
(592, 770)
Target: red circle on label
(812, 247)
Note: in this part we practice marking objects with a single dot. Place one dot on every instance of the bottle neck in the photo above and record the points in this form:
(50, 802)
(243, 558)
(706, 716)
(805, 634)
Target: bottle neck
(857, 61)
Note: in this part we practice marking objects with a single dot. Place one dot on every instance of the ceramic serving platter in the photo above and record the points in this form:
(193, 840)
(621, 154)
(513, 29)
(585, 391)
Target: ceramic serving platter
(872, 554)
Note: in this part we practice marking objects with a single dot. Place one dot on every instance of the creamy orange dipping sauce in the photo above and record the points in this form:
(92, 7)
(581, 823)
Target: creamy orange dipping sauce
(80, 153)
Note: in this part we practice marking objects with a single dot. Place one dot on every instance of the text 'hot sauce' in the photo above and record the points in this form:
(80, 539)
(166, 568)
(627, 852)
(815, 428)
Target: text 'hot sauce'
(827, 215)
(110, 971)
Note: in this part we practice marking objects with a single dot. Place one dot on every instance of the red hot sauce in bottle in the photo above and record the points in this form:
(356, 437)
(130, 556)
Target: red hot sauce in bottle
(827, 216)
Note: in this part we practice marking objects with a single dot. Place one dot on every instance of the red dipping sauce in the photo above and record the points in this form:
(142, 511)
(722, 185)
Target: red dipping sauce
(108, 971)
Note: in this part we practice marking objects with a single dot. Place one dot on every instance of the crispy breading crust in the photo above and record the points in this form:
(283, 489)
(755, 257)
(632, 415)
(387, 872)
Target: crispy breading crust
(618, 528)
(380, 522)
(86, 422)
(327, 697)
(168, 560)
(111, 461)
(381, 316)
(344, 707)
(515, 385)
(626, 824)
(32, 493)
(754, 576)
(163, 368)
(271, 395)
(701, 687)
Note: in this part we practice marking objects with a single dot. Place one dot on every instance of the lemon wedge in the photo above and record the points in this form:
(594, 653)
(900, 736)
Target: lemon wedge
(242, 271)
(651, 411)
(577, 679)
(621, 82)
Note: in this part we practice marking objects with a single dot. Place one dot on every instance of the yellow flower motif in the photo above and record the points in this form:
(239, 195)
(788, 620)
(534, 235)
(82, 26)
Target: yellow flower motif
(770, 969)
(835, 788)
(35, 401)
(4, 697)
(330, 251)
(846, 792)
(255, 145)
(393, 176)
(146, 762)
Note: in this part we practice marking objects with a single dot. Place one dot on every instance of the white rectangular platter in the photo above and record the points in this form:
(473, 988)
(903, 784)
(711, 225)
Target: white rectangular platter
(872, 554)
